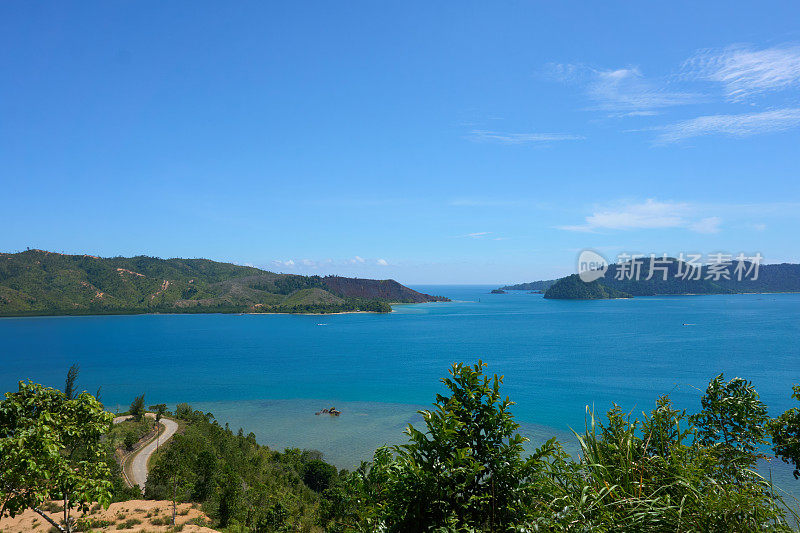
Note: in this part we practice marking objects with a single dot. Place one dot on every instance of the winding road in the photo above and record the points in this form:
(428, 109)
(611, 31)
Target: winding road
(134, 466)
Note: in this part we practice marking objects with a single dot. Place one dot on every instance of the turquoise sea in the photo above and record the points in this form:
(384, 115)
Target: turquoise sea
(270, 373)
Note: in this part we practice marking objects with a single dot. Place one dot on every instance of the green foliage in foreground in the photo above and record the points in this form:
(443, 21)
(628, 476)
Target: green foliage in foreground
(51, 448)
(466, 472)
(786, 435)
(137, 408)
(242, 485)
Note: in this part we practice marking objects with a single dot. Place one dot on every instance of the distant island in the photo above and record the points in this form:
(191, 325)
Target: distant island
(532, 286)
(37, 282)
(573, 288)
(681, 279)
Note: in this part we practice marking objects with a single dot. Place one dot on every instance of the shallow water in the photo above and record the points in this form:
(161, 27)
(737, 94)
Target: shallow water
(557, 358)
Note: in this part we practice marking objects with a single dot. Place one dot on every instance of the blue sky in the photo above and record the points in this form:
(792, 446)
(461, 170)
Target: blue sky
(451, 142)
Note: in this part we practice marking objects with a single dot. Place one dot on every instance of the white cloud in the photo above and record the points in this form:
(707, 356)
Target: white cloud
(478, 234)
(759, 227)
(356, 262)
(625, 90)
(496, 202)
(743, 125)
(565, 72)
(650, 214)
(520, 138)
(745, 71)
(706, 225)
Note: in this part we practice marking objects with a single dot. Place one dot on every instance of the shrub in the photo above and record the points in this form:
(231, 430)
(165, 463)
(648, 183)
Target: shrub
(130, 440)
(318, 474)
(129, 523)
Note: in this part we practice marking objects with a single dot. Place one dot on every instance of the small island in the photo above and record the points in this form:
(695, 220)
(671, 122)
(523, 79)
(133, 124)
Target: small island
(497, 291)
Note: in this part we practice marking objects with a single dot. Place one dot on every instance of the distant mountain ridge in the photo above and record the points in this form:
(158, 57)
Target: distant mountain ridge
(37, 282)
(542, 285)
(681, 279)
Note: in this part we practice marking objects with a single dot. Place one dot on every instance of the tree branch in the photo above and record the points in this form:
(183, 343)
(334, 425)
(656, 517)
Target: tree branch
(53, 522)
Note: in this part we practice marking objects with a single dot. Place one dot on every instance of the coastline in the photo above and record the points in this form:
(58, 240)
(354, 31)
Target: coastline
(151, 313)
(660, 295)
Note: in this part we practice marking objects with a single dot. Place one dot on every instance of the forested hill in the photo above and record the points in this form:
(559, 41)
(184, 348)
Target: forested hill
(542, 285)
(37, 282)
(573, 288)
(384, 289)
(681, 278)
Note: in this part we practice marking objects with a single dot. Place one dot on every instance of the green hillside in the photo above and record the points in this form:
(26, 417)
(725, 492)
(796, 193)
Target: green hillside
(680, 279)
(37, 282)
(542, 285)
(573, 288)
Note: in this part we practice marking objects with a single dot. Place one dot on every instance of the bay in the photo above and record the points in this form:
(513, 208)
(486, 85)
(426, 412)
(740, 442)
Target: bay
(270, 373)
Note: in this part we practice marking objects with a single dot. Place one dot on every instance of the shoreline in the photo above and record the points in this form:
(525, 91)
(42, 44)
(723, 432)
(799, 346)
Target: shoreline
(239, 313)
(680, 295)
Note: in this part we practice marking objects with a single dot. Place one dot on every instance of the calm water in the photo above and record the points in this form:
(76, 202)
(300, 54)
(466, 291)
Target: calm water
(270, 373)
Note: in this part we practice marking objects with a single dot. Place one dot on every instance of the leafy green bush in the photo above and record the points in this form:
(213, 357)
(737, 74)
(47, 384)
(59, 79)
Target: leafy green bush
(665, 472)
(130, 440)
(137, 408)
(236, 480)
(51, 448)
(786, 435)
(129, 523)
(318, 474)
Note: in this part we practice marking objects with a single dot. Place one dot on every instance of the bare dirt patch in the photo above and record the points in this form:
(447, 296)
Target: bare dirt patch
(132, 516)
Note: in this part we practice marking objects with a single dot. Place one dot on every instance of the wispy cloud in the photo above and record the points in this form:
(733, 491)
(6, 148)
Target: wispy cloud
(306, 264)
(520, 138)
(745, 71)
(706, 225)
(467, 201)
(743, 125)
(650, 214)
(382, 262)
(483, 235)
(625, 91)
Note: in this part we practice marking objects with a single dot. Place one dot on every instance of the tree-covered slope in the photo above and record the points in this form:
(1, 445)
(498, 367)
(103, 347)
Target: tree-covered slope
(675, 277)
(385, 289)
(37, 282)
(542, 285)
(573, 288)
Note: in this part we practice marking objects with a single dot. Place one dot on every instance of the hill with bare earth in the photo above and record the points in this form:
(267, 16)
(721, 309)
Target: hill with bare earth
(386, 289)
(132, 515)
(37, 282)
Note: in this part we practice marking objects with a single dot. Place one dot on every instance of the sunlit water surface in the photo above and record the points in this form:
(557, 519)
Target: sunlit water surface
(270, 373)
